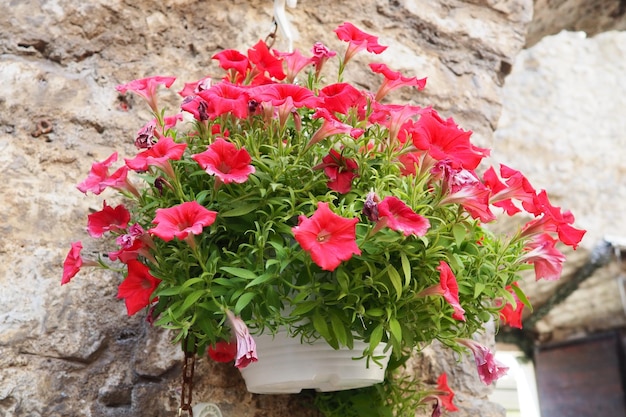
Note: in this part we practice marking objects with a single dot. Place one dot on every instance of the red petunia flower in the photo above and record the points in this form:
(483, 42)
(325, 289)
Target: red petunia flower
(514, 187)
(357, 41)
(226, 98)
(108, 219)
(553, 220)
(447, 288)
(396, 215)
(443, 139)
(339, 170)
(446, 399)
(137, 287)
(330, 239)
(264, 62)
(146, 88)
(159, 155)
(393, 80)
(508, 314)
(340, 97)
(226, 162)
(223, 351)
(73, 262)
(233, 59)
(179, 221)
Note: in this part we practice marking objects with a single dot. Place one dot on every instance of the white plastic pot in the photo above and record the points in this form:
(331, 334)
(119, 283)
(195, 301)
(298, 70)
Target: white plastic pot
(287, 366)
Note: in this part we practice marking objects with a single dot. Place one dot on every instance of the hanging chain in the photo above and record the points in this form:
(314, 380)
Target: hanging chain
(187, 387)
(272, 35)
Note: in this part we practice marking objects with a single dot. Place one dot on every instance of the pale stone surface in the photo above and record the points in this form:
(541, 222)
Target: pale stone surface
(563, 126)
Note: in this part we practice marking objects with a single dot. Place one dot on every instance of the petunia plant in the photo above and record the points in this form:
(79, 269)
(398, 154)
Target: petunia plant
(279, 197)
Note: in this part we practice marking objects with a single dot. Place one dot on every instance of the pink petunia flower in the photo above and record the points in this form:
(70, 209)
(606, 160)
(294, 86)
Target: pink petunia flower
(159, 155)
(108, 219)
(295, 62)
(394, 117)
(183, 220)
(99, 178)
(489, 369)
(321, 54)
(357, 41)
(286, 97)
(395, 214)
(447, 288)
(137, 287)
(73, 262)
(146, 88)
(226, 162)
(330, 239)
(331, 126)
(547, 260)
(198, 107)
(191, 89)
(393, 80)
(246, 347)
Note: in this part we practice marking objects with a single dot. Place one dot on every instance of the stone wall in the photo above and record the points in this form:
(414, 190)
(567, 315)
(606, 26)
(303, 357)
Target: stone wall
(563, 124)
(72, 351)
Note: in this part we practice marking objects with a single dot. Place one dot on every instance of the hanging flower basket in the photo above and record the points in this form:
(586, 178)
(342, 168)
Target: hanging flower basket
(290, 365)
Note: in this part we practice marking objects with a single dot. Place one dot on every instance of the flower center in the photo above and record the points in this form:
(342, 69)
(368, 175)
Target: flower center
(323, 236)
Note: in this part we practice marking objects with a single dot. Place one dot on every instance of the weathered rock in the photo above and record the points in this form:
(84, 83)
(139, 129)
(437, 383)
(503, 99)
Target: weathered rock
(591, 16)
(72, 350)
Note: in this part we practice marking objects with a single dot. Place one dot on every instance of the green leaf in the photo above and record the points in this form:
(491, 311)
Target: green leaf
(191, 299)
(191, 282)
(459, 231)
(522, 297)
(243, 301)
(395, 279)
(396, 330)
(339, 329)
(406, 269)
(376, 337)
(304, 307)
(239, 272)
(321, 326)
(478, 289)
(260, 280)
(240, 211)
(168, 291)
